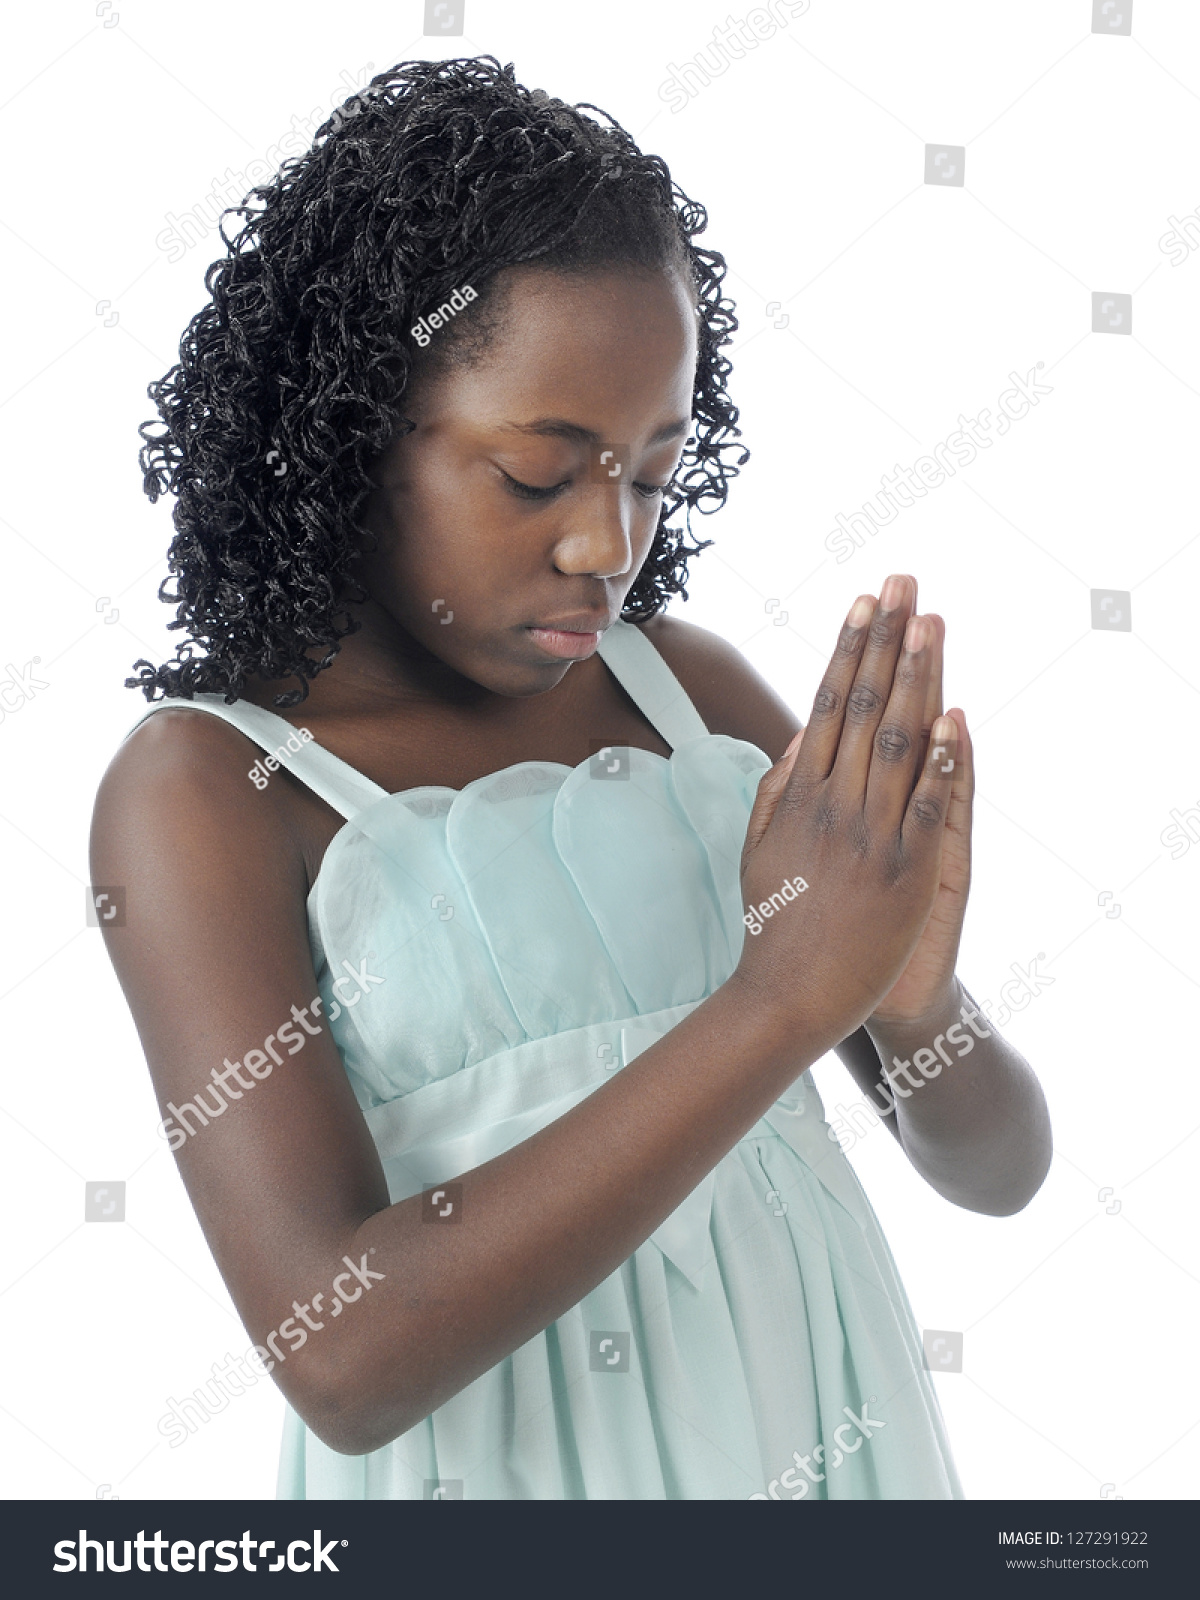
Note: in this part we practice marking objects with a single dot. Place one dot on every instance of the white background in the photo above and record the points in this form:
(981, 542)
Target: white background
(906, 305)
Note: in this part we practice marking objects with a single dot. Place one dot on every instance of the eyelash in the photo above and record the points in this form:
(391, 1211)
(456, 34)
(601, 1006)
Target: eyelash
(529, 491)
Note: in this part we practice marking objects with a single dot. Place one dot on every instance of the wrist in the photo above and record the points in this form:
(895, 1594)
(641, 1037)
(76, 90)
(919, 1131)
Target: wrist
(767, 1032)
(898, 1034)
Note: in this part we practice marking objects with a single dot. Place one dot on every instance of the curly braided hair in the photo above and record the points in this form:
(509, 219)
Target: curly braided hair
(438, 174)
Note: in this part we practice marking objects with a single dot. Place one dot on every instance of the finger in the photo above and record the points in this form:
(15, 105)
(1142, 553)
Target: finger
(829, 703)
(925, 818)
(933, 694)
(770, 786)
(898, 750)
(962, 796)
(872, 688)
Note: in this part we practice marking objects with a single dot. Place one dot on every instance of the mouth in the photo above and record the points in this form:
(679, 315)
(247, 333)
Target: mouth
(569, 644)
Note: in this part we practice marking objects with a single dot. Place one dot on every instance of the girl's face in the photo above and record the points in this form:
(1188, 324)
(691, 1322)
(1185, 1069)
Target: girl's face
(526, 496)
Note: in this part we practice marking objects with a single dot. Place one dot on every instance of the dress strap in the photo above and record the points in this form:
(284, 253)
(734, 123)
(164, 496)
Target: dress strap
(640, 669)
(340, 785)
(631, 658)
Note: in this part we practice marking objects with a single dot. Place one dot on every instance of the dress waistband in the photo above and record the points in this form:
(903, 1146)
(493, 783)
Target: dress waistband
(436, 1133)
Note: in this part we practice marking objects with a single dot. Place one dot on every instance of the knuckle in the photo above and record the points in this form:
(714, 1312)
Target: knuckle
(892, 744)
(828, 702)
(880, 632)
(863, 701)
(927, 811)
(849, 642)
(908, 671)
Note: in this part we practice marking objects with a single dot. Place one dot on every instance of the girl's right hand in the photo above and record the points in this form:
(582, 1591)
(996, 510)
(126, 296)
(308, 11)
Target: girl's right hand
(846, 810)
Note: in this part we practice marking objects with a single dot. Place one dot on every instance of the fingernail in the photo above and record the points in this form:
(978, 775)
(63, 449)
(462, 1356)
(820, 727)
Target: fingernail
(893, 593)
(944, 729)
(916, 634)
(860, 611)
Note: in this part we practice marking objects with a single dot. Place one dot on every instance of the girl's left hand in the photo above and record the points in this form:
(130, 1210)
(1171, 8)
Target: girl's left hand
(927, 985)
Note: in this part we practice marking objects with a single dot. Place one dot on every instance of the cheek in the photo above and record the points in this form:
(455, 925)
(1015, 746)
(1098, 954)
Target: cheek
(642, 539)
(447, 557)
(433, 561)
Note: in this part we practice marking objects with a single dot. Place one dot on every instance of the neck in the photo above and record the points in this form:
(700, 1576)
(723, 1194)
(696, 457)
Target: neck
(379, 667)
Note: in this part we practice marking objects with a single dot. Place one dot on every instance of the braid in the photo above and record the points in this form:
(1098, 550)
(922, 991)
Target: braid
(290, 382)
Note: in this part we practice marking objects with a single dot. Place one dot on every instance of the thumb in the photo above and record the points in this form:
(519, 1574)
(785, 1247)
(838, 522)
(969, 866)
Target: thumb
(770, 786)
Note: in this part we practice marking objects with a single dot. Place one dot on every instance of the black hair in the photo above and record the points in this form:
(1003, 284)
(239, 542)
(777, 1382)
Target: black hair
(438, 174)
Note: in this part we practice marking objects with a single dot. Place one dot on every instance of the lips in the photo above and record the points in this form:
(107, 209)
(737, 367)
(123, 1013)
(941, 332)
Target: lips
(580, 622)
(567, 644)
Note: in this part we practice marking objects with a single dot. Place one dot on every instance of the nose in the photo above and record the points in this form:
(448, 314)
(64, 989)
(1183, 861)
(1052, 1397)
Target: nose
(597, 541)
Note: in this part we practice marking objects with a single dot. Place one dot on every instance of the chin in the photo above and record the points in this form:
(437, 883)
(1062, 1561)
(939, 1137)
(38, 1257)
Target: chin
(521, 682)
(499, 666)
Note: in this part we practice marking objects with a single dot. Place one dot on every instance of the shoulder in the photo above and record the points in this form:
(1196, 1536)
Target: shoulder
(730, 695)
(181, 748)
(176, 804)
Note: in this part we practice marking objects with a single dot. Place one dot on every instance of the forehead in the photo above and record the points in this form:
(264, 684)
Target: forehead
(617, 342)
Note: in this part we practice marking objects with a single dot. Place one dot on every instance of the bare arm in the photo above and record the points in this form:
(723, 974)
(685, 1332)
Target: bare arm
(970, 1114)
(287, 1183)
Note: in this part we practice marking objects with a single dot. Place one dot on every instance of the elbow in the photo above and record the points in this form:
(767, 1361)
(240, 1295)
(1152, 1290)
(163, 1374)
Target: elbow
(347, 1412)
(344, 1439)
(1014, 1196)
(1007, 1205)
(350, 1425)
(339, 1428)
(361, 1430)
(1000, 1180)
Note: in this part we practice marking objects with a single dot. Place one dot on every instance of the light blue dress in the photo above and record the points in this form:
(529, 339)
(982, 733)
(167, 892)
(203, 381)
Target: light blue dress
(534, 932)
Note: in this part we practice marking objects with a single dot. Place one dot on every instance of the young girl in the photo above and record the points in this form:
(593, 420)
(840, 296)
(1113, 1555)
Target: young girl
(543, 893)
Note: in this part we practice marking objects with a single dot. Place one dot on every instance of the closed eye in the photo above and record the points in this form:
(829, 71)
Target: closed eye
(529, 491)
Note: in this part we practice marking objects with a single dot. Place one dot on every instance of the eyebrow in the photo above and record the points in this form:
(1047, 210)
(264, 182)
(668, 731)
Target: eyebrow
(559, 428)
